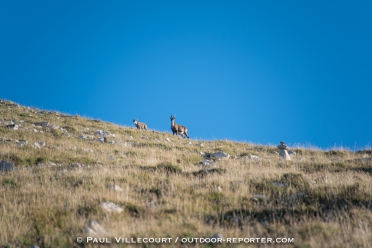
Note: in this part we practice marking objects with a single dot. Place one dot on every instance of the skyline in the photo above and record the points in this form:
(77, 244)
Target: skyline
(252, 72)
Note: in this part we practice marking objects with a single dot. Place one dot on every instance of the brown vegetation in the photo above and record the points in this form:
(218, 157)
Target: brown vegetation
(321, 199)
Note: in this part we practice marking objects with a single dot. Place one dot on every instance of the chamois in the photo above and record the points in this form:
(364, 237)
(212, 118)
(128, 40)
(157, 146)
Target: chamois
(140, 125)
(178, 129)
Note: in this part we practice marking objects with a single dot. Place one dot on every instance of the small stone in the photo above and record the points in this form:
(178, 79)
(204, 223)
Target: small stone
(21, 143)
(280, 185)
(291, 153)
(220, 155)
(42, 124)
(13, 127)
(6, 166)
(209, 163)
(98, 132)
(75, 165)
(217, 236)
(114, 187)
(89, 232)
(260, 198)
(167, 139)
(111, 207)
(254, 157)
(98, 228)
(54, 126)
(219, 188)
(36, 145)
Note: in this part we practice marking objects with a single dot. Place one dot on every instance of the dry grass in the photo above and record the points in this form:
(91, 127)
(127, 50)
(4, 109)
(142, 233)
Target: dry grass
(166, 193)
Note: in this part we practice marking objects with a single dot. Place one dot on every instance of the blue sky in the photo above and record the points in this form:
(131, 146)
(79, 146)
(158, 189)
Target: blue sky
(254, 71)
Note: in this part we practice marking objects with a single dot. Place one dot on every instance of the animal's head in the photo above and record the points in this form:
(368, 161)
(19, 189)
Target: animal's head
(172, 117)
(135, 121)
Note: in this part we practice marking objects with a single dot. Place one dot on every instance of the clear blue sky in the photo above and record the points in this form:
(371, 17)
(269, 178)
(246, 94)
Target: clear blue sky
(255, 71)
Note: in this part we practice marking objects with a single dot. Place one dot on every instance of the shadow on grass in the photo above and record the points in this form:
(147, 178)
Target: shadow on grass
(318, 205)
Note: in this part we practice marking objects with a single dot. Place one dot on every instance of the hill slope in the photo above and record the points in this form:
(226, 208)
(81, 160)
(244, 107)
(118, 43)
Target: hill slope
(65, 172)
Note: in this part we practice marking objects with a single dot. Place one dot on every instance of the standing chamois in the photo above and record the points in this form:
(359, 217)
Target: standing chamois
(178, 129)
(140, 125)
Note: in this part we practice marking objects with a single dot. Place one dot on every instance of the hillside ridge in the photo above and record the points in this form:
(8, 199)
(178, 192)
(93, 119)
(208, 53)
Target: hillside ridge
(65, 177)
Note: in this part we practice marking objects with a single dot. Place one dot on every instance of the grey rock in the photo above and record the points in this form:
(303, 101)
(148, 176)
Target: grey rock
(254, 157)
(13, 127)
(99, 132)
(42, 124)
(220, 155)
(89, 231)
(76, 165)
(39, 144)
(291, 153)
(107, 134)
(21, 142)
(280, 185)
(216, 236)
(54, 126)
(260, 198)
(97, 228)
(7, 123)
(114, 187)
(110, 207)
(48, 164)
(207, 162)
(6, 166)
(128, 143)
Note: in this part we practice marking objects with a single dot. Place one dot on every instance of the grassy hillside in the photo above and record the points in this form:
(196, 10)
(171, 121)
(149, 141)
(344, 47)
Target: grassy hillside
(320, 198)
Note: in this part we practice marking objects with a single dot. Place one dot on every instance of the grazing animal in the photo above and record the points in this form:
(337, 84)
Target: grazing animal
(140, 125)
(178, 129)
